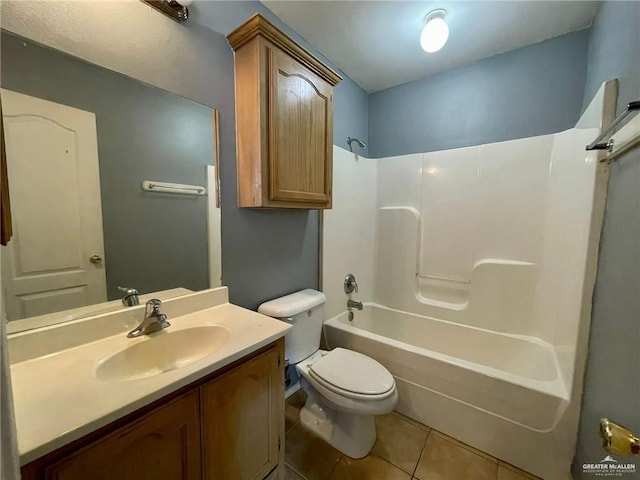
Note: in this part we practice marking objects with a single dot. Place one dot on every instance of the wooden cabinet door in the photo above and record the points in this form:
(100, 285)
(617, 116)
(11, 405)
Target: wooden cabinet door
(243, 420)
(162, 445)
(300, 132)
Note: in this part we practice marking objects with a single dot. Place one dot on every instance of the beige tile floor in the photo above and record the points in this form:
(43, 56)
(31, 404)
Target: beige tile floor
(404, 450)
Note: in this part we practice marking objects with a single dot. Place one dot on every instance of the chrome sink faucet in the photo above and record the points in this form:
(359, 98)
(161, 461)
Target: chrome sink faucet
(129, 296)
(154, 321)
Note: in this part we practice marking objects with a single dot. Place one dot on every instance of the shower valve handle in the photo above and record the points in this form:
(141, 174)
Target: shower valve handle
(350, 284)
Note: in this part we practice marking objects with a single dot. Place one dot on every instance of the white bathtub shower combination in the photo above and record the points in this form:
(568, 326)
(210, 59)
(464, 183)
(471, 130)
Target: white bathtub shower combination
(477, 284)
(498, 373)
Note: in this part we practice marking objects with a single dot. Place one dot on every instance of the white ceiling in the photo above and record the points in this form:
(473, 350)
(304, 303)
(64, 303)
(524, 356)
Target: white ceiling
(376, 43)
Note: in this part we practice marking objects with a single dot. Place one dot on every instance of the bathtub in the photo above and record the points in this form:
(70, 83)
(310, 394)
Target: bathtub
(476, 385)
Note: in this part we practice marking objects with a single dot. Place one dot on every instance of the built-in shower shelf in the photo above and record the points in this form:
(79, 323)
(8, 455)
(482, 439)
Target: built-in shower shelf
(500, 281)
(443, 292)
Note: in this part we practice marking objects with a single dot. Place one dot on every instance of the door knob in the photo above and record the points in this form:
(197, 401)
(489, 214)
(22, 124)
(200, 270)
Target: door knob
(95, 259)
(617, 439)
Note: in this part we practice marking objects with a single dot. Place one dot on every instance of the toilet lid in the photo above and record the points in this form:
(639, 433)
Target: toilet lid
(353, 372)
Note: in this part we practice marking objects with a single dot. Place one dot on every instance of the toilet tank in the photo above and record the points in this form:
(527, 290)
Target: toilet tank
(304, 310)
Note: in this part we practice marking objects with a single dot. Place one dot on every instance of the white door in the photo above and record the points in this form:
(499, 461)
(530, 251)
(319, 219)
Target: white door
(55, 260)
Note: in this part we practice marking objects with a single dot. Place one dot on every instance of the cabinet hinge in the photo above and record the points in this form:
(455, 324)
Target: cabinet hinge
(279, 361)
(278, 443)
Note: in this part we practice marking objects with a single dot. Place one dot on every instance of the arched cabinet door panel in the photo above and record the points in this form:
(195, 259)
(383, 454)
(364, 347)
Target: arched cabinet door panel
(284, 120)
(243, 420)
(163, 445)
(300, 151)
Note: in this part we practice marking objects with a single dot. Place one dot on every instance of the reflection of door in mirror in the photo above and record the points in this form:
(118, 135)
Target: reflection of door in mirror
(54, 261)
(162, 243)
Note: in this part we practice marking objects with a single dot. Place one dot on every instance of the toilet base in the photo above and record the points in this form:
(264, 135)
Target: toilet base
(352, 434)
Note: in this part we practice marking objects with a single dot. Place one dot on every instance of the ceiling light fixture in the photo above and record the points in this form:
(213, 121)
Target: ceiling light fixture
(436, 31)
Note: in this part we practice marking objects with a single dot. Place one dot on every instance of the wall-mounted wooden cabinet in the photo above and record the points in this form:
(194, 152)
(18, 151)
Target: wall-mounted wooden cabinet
(284, 120)
(227, 426)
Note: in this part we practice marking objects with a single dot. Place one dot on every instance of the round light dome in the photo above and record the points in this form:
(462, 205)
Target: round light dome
(435, 33)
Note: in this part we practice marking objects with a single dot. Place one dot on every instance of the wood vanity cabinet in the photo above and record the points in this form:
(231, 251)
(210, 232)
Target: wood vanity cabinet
(284, 120)
(162, 445)
(226, 426)
(241, 429)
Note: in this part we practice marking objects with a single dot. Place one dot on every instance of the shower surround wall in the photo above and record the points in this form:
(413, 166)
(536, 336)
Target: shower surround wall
(482, 261)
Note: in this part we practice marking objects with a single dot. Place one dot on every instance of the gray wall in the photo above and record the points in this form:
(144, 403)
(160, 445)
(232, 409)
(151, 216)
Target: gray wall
(152, 241)
(612, 379)
(269, 253)
(614, 51)
(534, 90)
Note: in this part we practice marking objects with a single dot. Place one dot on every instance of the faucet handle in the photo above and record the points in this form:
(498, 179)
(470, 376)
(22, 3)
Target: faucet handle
(350, 284)
(129, 296)
(152, 308)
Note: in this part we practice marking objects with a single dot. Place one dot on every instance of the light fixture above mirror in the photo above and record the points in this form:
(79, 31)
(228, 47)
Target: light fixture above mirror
(435, 32)
(179, 11)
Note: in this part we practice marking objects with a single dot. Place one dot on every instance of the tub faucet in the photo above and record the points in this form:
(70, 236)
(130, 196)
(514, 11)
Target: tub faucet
(354, 304)
(154, 321)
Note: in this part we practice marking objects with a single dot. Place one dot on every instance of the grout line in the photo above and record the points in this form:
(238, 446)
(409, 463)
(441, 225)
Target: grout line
(297, 472)
(334, 467)
(519, 471)
(411, 421)
(424, 447)
(292, 427)
(396, 467)
(467, 447)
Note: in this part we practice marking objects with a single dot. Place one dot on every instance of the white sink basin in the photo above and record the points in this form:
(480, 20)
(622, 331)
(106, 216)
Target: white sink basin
(162, 352)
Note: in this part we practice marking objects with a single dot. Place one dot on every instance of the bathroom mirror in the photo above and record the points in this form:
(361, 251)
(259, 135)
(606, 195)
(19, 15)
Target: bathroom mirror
(81, 141)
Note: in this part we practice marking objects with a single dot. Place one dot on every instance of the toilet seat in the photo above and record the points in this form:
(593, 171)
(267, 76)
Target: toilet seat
(344, 400)
(352, 375)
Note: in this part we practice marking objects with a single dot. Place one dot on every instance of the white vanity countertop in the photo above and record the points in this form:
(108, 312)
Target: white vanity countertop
(58, 397)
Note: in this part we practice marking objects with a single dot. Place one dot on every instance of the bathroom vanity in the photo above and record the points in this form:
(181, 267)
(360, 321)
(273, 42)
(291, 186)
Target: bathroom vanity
(202, 399)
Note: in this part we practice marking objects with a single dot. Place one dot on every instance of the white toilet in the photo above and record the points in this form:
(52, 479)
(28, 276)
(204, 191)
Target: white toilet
(345, 389)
